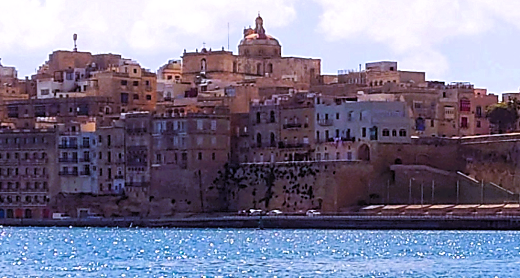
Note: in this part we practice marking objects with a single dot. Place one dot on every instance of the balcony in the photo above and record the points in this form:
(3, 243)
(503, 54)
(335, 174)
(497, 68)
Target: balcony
(85, 173)
(283, 145)
(325, 122)
(68, 159)
(34, 161)
(136, 130)
(68, 173)
(67, 146)
(84, 159)
(292, 125)
(137, 184)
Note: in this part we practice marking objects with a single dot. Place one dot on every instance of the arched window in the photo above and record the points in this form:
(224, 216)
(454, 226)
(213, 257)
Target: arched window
(364, 153)
(386, 132)
(258, 118)
(203, 65)
(273, 140)
(259, 140)
(402, 132)
(394, 132)
(272, 117)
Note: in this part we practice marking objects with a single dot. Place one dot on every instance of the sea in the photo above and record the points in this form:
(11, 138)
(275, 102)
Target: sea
(143, 252)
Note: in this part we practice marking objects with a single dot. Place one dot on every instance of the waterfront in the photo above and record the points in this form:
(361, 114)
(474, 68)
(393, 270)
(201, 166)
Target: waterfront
(137, 252)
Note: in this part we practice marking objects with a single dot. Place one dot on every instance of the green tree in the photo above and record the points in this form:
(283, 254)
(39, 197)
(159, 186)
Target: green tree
(503, 115)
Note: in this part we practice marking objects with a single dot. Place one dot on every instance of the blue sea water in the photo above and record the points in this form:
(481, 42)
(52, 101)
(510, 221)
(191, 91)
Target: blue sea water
(138, 252)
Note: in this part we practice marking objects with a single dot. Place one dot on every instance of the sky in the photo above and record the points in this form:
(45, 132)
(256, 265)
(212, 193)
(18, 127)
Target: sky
(451, 40)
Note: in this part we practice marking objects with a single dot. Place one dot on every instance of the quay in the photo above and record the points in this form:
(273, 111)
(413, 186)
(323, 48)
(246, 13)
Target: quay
(291, 222)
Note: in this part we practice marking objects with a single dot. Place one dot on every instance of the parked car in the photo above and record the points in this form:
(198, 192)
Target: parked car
(256, 212)
(275, 212)
(312, 212)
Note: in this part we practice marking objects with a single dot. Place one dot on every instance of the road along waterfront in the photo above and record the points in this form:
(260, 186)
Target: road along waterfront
(293, 222)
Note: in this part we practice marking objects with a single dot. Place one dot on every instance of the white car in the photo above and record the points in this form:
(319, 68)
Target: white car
(312, 212)
(275, 212)
(255, 212)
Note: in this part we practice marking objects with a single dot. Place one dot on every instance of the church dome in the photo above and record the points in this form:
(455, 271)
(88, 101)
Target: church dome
(256, 43)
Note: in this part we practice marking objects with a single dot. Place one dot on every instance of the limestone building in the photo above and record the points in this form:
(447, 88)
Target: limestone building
(259, 56)
(28, 173)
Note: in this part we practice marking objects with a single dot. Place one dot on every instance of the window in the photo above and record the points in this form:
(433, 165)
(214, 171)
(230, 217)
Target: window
(386, 132)
(148, 97)
(272, 117)
(203, 65)
(464, 122)
(200, 124)
(478, 111)
(337, 116)
(258, 118)
(136, 96)
(364, 132)
(402, 132)
(200, 156)
(478, 124)
(465, 105)
(135, 83)
(135, 70)
(444, 94)
(124, 82)
(124, 98)
(147, 82)
(213, 125)
(44, 92)
(213, 156)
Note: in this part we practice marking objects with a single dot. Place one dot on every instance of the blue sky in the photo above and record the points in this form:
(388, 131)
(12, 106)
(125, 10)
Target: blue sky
(452, 40)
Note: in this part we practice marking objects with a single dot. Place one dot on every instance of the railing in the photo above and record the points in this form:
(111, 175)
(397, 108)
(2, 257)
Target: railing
(85, 173)
(68, 159)
(136, 130)
(84, 159)
(283, 145)
(68, 146)
(67, 173)
(137, 184)
(292, 125)
(325, 122)
(34, 161)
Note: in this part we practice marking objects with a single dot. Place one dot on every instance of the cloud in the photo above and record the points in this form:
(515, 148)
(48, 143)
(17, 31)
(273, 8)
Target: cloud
(414, 30)
(152, 27)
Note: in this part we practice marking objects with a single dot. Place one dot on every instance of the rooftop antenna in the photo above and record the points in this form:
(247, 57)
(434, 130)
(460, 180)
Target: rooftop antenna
(228, 36)
(75, 38)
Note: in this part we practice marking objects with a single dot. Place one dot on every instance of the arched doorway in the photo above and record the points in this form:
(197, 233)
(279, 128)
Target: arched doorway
(2, 213)
(28, 213)
(9, 213)
(364, 153)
